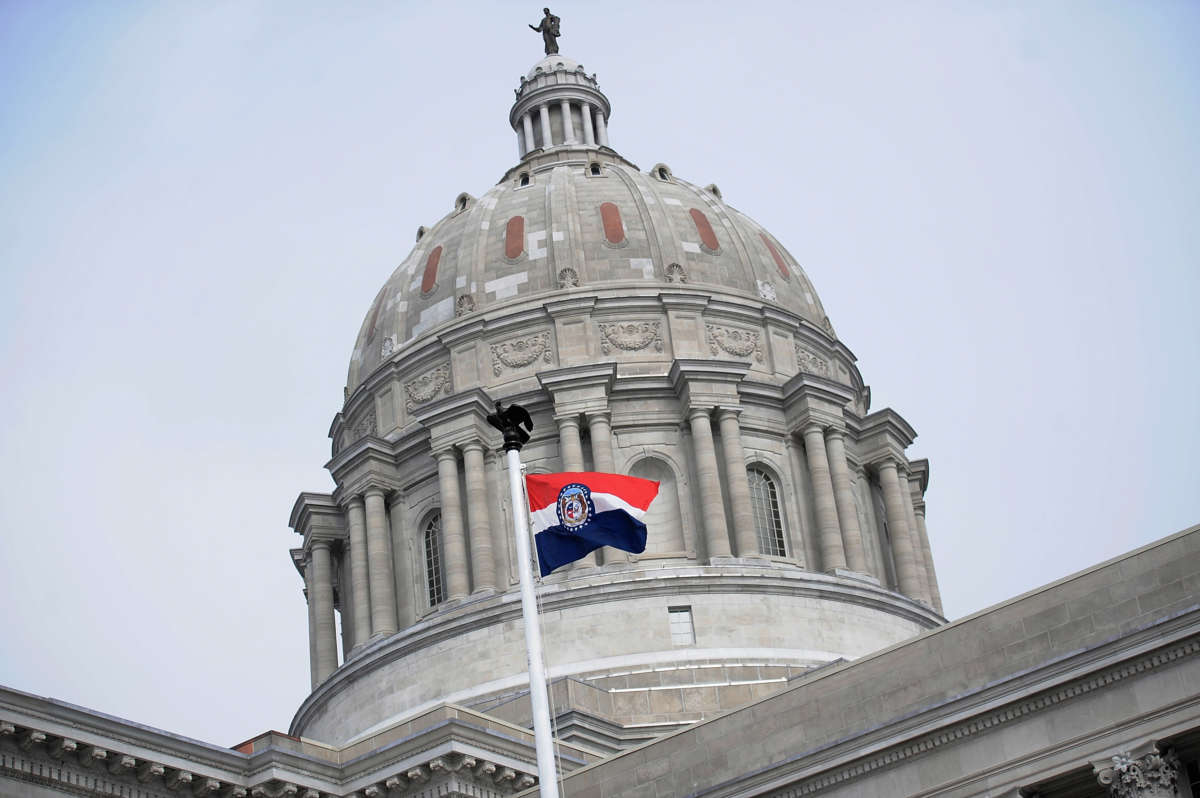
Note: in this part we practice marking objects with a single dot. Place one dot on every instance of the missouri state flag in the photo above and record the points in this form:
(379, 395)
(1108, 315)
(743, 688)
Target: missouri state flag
(576, 512)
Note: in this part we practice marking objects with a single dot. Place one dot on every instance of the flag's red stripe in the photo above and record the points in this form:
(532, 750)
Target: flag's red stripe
(543, 488)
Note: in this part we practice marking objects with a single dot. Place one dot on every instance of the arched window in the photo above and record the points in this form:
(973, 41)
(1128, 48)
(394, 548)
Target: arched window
(434, 580)
(595, 169)
(523, 179)
(768, 522)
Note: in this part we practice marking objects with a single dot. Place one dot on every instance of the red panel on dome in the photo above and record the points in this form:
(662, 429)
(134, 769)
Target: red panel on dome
(614, 231)
(514, 237)
(783, 269)
(707, 237)
(429, 279)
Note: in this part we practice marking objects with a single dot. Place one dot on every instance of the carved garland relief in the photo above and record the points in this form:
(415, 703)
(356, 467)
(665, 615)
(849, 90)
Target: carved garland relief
(520, 352)
(739, 343)
(423, 388)
(630, 336)
(810, 362)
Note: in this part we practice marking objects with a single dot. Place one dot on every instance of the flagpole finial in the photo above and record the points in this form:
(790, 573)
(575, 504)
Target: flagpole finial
(509, 421)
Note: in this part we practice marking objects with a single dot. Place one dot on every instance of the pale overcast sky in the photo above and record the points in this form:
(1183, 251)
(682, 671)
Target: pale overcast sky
(999, 204)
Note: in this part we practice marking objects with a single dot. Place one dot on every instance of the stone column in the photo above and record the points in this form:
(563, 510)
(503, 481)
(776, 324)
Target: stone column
(1152, 775)
(483, 564)
(935, 594)
(589, 134)
(501, 529)
(744, 532)
(829, 532)
(310, 600)
(570, 448)
(454, 547)
(897, 520)
(716, 536)
(379, 564)
(322, 601)
(843, 493)
(567, 122)
(527, 124)
(913, 486)
(601, 128)
(359, 580)
(544, 113)
(406, 613)
(602, 451)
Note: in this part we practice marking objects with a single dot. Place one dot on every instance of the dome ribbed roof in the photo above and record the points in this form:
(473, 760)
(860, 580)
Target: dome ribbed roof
(570, 227)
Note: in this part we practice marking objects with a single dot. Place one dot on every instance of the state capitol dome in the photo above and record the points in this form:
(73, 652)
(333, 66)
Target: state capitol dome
(651, 329)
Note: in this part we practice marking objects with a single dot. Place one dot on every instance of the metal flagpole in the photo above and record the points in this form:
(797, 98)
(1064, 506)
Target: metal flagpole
(508, 421)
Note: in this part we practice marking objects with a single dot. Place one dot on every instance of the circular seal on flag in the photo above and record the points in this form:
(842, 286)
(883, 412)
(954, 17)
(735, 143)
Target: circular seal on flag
(575, 506)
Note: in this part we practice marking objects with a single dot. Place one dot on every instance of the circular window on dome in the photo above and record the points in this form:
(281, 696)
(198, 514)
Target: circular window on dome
(429, 276)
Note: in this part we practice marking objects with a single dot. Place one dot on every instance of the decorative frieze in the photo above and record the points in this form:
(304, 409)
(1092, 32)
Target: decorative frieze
(810, 362)
(425, 387)
(739, 343)
(520, 352)
(630, 336)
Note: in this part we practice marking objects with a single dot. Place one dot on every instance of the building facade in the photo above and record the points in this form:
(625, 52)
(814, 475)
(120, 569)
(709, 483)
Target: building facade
(781, 635)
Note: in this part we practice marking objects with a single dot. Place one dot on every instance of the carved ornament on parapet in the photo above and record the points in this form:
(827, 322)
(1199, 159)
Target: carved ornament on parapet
(675, 273)
(568, 278)
(425, 387)
(464, 304)
(364, 424)
(810, 362)
(630, 336)
(739, 343)
(520, 352)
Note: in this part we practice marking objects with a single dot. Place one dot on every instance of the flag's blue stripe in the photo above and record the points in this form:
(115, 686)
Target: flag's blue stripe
(557, 546)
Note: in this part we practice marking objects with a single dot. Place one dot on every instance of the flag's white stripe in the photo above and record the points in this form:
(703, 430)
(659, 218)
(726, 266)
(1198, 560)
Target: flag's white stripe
(548, 515)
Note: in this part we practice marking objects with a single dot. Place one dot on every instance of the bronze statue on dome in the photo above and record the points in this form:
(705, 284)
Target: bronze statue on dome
(548, 27)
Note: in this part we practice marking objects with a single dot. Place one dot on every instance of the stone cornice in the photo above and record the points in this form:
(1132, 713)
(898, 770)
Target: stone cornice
(809, 399)
(977, 712)
(586, 375)
(706, 383)
(369, 455)
(458, 418)
(313, 511)
(78, 751)
(920, 470)
(882, 435)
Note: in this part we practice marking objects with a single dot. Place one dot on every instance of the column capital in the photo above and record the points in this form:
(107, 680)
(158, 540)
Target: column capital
(320, 544)
(472, 445)
(579, 389)
(352, 500)
(566, 420)
(707, 383)
(1148, 771)
(725, 411)
(835, 431)
(446, 453)
(375, 490)
(694, 412)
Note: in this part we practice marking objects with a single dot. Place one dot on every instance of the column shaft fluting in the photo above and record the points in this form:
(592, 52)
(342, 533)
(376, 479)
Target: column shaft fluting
(568, 124)
(314, 668)
(544, 113)
(570, 447)
(379, 564)
(911, 488)
(602, 450)
(454, 545)
(935, 593)
(483, 565)
(589, 132)
(829, 531)
(501, 529)
(843, 492)
(716, 535)
(897, 520)
(527, 125)
(601, 128)
(359, 578)
(744, 533)
(322, 599)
